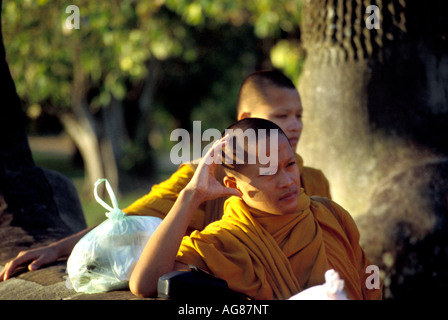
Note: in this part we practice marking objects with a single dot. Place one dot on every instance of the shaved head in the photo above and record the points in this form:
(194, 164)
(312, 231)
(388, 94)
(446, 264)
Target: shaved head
(253, 91)
(252, 141)
(271, 181)
(271, 95)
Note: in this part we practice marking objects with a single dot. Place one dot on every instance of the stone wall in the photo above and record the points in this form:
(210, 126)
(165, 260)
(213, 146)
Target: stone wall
(50, 283)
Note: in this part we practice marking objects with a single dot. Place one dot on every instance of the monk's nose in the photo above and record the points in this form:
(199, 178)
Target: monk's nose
(284, 180)
(295, 124)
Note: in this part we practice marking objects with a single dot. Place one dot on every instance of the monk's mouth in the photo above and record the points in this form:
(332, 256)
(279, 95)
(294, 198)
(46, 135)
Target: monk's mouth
(289, 196)
(293, 141)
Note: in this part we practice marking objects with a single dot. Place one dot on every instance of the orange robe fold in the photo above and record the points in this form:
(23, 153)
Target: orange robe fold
(274, 257)
(161, 198)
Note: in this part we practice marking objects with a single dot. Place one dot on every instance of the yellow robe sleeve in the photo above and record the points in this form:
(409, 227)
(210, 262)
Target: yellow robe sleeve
(357, 257)
(159, 201)
(313, 181)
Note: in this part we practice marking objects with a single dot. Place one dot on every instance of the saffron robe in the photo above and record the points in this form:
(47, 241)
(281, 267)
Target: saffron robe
(161, 198)
(274, 257)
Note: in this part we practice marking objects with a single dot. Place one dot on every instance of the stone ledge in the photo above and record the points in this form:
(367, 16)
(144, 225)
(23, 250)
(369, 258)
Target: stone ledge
(50, 283)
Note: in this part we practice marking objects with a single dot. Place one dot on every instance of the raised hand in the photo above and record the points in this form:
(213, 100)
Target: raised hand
(204, 183)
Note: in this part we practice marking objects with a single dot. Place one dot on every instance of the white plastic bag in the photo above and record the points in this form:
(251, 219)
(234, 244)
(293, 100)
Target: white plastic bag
(332, 289)
(105, 257)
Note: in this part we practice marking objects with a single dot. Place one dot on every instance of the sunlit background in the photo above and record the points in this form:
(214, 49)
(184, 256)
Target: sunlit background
(102, 100)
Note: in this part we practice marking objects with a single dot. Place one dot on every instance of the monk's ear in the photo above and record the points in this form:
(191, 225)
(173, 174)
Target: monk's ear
(230, 182)
(243, 115)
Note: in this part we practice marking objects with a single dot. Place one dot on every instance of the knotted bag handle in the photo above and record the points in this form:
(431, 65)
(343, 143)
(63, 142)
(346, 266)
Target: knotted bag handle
(114, 212)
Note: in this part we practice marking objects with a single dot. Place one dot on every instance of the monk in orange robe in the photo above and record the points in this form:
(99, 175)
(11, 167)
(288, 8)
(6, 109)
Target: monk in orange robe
(273, 240)
(264, 94)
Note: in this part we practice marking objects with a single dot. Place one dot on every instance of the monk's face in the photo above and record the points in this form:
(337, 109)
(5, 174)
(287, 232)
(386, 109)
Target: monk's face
(277, 193)
(284, 108)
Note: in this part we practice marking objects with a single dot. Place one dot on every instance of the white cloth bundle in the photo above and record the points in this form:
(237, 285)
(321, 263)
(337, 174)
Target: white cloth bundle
(332, 289)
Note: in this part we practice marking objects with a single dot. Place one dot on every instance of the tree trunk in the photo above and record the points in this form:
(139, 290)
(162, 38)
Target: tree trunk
(100, 142)
(114, 138)
(86, 141)
(41, 205)
(99, 139)
(146, 99)
(102, 139)
(137, 169)
(375, 104)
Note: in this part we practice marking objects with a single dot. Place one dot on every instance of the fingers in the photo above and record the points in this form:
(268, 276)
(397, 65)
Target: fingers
(22, 258)
(2, 274)
(36, 264)
(214, 154)
(11, 266)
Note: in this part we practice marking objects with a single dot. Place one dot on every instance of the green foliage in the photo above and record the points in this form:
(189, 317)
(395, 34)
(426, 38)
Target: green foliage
(206, 88)
(289, 56)
(112, 46)
(268, 17)
(116, 39)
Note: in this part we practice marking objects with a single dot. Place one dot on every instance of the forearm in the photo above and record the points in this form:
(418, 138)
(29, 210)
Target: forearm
(65, 246)
(159, 254)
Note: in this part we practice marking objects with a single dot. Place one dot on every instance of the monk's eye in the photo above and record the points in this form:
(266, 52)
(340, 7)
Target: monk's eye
(281, 116)
(291, 164)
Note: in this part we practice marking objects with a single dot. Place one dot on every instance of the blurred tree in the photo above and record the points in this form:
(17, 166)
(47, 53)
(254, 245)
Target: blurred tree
(84, 75)
(275, 23)
(42, 205)
(105, 80)
(233, 38)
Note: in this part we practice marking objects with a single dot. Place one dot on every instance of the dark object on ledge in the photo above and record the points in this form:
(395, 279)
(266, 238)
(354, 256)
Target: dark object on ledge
(196, 284)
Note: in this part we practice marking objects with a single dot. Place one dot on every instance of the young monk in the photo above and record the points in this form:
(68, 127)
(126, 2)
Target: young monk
(263, 94)
(273, 240)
